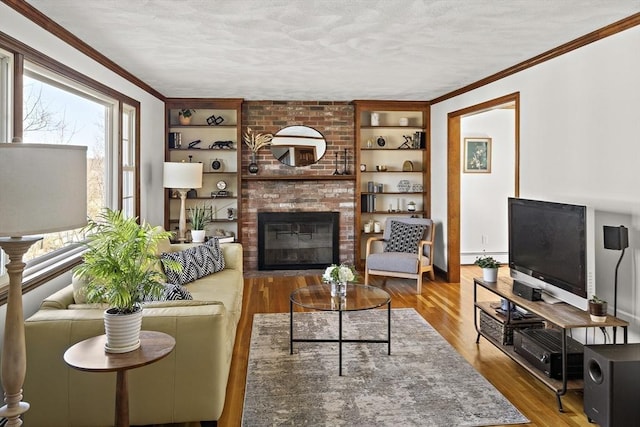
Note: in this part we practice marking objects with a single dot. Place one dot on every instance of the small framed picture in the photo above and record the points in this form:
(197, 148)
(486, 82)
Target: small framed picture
(477, 155)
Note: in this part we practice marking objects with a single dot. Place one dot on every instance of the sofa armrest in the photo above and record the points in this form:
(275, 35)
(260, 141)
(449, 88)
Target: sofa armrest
(59, 300)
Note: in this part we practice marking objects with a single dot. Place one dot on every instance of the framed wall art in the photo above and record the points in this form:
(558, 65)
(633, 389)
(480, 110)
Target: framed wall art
(477, 155)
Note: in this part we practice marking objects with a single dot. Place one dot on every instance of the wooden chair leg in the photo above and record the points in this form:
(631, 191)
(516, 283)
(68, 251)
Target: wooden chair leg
(366, 276)
(419, 284)
(432, 275)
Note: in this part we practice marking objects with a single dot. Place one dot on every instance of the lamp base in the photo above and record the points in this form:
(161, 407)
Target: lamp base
(14, 353)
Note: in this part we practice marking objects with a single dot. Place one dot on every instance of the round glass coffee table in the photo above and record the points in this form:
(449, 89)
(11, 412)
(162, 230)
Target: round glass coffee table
(359, 297)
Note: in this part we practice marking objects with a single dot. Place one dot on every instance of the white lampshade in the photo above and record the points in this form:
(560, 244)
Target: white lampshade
(182, 175)
(43, 188)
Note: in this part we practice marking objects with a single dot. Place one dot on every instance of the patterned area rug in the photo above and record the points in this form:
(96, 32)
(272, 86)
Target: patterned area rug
(424, 382)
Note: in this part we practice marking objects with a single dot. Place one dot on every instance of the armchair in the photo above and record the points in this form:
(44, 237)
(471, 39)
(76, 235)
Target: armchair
(404, 250)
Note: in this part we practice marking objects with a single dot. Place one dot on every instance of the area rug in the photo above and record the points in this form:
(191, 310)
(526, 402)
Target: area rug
(424, 382)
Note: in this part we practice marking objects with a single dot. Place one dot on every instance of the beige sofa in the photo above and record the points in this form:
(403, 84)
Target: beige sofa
(188, 385)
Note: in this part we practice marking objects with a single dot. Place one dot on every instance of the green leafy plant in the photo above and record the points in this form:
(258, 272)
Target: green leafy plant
(339, 273)
(199, 218)
(186, 112)
(121, 264)
(487, 262)
(594, 299)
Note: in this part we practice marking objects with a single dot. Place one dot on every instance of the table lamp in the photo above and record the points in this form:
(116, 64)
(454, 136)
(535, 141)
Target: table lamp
(182, 177)
(44, 190)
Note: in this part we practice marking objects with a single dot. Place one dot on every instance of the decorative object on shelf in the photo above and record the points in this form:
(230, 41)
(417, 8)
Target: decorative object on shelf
(336, 171)
(175, 139)
(192, 144)
(379, 187)
(44, 191)
(255, 141)
(407, 166)
(227, 145)
(404, 186)
(376, 227)
(367, 226)
(212, 120)
(375, 119)
(597, 309)
(363, 167)
(182, 177)
(489, 267)
(199, 221)
(380, 141)
(417, 188)
(407, 144)
(616, 238)
(215, 165)
(222, 188)
(369, 143)
(404, 121)
(184, 116)
(345, 170)
(411, 206)
(477, 155)
(381, 168)
(230, 214)
(192, 194)
(338, 276)
(419, 140)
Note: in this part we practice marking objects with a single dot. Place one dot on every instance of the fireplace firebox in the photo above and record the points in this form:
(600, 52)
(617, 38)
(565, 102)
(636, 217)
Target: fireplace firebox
(298, 240)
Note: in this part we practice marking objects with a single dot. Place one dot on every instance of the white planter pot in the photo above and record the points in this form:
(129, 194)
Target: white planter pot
(123, 331)
(197, 236)
(490, 274)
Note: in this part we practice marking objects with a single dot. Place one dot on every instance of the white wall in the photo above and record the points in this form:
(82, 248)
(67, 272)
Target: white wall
(579, 139)
(483, 196)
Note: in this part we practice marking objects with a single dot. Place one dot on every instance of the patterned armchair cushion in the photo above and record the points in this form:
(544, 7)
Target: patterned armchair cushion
(404, 237)
(196, 262)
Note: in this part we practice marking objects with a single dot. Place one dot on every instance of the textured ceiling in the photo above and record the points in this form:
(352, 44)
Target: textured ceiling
(325, 49)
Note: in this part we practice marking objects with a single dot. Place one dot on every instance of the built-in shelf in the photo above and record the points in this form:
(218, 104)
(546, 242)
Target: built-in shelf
(299, 177)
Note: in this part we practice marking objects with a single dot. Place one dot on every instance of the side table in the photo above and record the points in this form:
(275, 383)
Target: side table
(89, 355)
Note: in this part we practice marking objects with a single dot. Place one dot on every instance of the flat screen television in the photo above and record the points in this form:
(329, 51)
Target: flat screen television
(550, 247)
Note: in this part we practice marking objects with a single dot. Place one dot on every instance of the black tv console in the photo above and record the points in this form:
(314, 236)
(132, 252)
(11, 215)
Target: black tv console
(561, 316)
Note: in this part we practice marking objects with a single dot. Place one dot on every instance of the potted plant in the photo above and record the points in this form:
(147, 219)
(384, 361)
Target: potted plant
(199, 221)
(184, 115)
(122, 268)
(489, 267)
(597, 309)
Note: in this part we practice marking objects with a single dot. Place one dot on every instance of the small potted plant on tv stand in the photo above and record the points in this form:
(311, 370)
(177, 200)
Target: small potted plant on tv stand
(597, 309)
(489, 267)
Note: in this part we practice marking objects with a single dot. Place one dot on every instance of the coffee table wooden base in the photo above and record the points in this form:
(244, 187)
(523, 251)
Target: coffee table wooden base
(89, 355)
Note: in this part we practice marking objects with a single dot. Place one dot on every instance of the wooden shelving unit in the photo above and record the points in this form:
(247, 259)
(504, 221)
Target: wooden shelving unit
(227, 158)
(393, 154)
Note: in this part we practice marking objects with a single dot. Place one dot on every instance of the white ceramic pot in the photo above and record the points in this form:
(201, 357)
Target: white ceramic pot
(123, 331)
(598, 319)
(197, 236)
(490, 274)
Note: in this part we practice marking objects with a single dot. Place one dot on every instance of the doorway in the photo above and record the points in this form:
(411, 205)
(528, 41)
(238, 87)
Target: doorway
(454, 157)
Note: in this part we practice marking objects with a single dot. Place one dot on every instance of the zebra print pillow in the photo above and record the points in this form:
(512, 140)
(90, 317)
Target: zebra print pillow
(196, 262)
(171, 292)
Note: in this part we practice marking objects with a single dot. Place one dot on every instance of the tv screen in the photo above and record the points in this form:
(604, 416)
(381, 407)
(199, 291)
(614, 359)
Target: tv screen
(548, 242)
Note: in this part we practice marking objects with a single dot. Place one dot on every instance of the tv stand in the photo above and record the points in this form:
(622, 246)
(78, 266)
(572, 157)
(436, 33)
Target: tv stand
(560, 315)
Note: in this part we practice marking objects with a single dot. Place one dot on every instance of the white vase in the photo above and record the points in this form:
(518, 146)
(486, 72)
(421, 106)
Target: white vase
(197, 236)
(490, 274)
(122, 330)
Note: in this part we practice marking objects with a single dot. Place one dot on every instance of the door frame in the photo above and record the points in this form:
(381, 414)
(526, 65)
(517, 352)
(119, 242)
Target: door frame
(453, 173)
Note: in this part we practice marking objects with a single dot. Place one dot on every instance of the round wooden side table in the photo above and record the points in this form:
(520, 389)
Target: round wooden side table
(89, 355)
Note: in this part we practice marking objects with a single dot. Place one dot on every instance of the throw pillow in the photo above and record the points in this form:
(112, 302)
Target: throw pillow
(218, 257)
(196, 262)
(171, 292)
(79, 289)
(404, 237)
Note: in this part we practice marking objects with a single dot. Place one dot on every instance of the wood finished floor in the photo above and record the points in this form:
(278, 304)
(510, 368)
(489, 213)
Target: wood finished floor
(448, 307)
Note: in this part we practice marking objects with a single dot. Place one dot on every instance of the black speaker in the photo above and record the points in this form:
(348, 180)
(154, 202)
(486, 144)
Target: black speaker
(611, 386)
(527, 292)
(616, 237)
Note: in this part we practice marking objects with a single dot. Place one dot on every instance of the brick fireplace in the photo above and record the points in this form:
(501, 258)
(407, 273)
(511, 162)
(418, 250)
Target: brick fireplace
(280, 188)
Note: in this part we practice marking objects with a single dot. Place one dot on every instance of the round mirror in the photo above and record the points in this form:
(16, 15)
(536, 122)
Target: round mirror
(298, 146)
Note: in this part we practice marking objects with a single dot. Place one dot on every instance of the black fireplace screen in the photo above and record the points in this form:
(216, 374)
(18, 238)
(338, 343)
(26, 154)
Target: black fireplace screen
(297, 240)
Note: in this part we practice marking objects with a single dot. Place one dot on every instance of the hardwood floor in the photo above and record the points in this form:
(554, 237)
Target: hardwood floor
(448, 307)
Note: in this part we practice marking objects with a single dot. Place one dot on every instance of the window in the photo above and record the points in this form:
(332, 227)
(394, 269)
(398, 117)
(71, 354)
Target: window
(65, 107)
